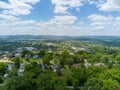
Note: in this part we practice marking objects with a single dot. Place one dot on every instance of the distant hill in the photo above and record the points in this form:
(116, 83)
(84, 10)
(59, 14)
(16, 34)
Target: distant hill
(108, 40)
(30, 37)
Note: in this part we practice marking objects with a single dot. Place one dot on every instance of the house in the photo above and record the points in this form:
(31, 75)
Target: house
(22, 66)
(19, 50)
(77, 65)
(21, 69)
(29, 48)
(6, 52)
(87, 65)
(10, 67)
(18, 55)
(4, 55)
(35, 56)
(111, 61)
(99, 64)
(42, 66)
(5, 75)
(55, 67)
(5, 60)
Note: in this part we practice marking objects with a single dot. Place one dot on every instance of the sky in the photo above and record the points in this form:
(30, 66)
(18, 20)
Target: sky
(60, 17)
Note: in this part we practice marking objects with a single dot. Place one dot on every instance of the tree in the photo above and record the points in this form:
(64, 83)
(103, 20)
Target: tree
(44, 82)
(42, 53)
(47, 81)
(2, 68)
(110, 74)
(47, 58)
(1, 80)
(78, 76)
(65, 58)
(75, 83)
(93, 84)
(118, 58)
(17, 62)
(26, 52)
(110, 85)
(58, 83)
(15, 83)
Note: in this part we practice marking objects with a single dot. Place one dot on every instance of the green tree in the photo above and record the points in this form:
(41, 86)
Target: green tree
(17, 62)
(15, 83)
(26, 52)
(1, 79)
(2, 68)
(78, 76)
(47, 58)
(44, 82)
(58, 83)
(110, 85)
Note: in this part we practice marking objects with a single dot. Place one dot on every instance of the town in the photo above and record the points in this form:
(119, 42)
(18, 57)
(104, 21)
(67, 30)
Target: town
(61, 64)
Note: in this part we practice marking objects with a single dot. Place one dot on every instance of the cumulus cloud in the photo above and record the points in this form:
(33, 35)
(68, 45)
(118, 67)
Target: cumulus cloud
(106, 5)
(8, 17)
(30, 1)
(61, 9)
(100, 22)
(62, 6)
(100, 18)
(110, 5)
(17, 7)
(96, 2)
(104, 23)
(65, 19)
(116, 24)
(62, 23)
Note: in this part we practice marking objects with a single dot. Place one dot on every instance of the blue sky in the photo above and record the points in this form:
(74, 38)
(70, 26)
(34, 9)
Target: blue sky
(60, 17)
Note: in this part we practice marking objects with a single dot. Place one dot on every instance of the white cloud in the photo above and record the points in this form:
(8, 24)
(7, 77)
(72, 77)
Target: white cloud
(76, 3)
(30, 1)
(8, 17)
(17, 7)
(61, 9)
(63, 23)
(110, 5)
(59, 25)
(4, 5)
(107, 24)
(62, 6)
(100, 18)
(116, 24)
(65, 19)
(106, 5)
(101, 22)
(95, 2)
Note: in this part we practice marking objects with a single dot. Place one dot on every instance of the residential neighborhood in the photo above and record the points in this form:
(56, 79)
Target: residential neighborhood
(75, 63)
